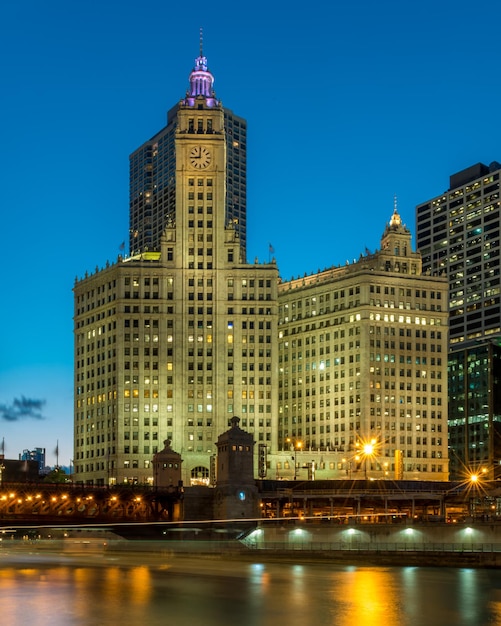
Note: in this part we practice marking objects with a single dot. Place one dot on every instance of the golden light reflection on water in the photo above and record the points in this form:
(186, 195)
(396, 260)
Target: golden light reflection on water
(122, 587)
(367, 593)
(495, 606)
(199, 592)
(81, 578)
(140, 581)
(42, 584)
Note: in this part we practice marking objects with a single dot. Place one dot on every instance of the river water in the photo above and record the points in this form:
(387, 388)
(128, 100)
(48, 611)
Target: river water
(147, 589)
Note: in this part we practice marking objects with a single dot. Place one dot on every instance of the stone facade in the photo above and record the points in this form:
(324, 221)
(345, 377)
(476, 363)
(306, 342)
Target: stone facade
(363, 367)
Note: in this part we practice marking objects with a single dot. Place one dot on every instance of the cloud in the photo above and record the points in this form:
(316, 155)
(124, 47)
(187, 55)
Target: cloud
(22, 408)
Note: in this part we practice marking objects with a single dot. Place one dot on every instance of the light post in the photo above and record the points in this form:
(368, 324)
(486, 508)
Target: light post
(476, 488)
(348, 467)
(367, 449)
(2, 467)
(385, 469)
(294, 445)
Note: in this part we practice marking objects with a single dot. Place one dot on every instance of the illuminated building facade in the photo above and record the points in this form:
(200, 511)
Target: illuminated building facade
(172, 343)
(458, 234)
(182, 335)
(363, 361)
(153, 180)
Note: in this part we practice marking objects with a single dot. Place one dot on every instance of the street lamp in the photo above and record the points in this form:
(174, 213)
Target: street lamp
(476, 478)
(294, 445)
(367, 450)
(348, 467)
(385, 469)
(475, 487)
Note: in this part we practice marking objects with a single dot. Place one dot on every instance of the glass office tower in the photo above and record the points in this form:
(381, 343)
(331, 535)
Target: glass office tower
(458, 234)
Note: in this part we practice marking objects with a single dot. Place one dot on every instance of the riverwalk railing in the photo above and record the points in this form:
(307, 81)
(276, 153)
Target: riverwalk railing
(201, 547)
(340, 546)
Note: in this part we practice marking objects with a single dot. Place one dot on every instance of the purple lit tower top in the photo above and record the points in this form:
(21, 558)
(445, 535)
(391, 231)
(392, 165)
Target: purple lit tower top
(201, 81)
(153, 165)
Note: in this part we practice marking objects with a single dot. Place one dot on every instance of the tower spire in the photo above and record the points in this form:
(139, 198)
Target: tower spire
(201, 79)
(395, 220)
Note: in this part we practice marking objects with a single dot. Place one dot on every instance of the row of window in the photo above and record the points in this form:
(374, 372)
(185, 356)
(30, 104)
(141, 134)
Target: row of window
(200, 182)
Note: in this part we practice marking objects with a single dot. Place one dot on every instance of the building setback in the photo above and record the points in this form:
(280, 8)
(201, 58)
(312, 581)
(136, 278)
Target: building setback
(153, 180)
(363, 361)
(170, 344)
(458, 234)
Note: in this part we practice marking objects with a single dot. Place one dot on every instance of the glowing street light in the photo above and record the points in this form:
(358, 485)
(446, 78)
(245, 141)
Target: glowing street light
(367, 450)
(294, 445)
(477, 476)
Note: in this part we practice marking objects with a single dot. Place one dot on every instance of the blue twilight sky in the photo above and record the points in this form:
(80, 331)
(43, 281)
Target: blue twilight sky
(347, 103)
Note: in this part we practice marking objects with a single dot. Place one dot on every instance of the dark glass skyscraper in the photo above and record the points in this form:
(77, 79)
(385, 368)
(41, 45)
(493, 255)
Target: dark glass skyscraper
(152, 193)
(458, 234)
(475, 410)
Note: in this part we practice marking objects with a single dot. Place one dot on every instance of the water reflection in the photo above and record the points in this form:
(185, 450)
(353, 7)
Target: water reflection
(149, 589)
(369, 593)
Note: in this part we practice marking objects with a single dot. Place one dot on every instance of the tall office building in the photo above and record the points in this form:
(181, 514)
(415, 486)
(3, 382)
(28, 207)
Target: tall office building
(458, 234)
(153, 182)
(363, 361)
(171, 343)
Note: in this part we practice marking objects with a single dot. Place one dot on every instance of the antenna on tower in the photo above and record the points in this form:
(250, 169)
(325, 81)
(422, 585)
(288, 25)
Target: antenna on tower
(201, 42)
(395, 203)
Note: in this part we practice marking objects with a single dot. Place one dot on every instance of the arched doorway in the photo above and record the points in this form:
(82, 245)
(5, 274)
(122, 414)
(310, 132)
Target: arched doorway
(199, 475)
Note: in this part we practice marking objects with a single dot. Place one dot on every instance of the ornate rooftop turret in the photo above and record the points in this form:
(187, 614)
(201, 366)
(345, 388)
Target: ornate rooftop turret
(396, 250)
(395, 224)
(201, 81)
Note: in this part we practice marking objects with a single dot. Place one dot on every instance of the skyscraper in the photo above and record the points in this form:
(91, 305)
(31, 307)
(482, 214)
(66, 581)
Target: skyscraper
(172, 342)
(362, 362)
(153, 168)
(458, 234)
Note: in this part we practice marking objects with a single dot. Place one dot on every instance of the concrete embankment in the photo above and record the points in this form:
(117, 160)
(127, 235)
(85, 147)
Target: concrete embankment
(472, 544)
(379, 558)
(95, 552)
(468, 544)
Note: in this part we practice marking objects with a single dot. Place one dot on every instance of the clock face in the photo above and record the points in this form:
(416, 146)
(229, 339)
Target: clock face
(200, 157)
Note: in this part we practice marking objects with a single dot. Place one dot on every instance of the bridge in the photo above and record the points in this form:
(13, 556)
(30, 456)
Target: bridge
(44, 504)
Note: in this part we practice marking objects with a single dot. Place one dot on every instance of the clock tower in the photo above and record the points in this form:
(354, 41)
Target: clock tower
(201, 167)
(154, 166)
(224, 311)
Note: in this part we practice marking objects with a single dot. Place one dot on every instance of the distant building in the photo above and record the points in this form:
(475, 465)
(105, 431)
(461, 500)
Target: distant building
(363, 362)
(38, 455)
(458, 234)
(18, 471)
